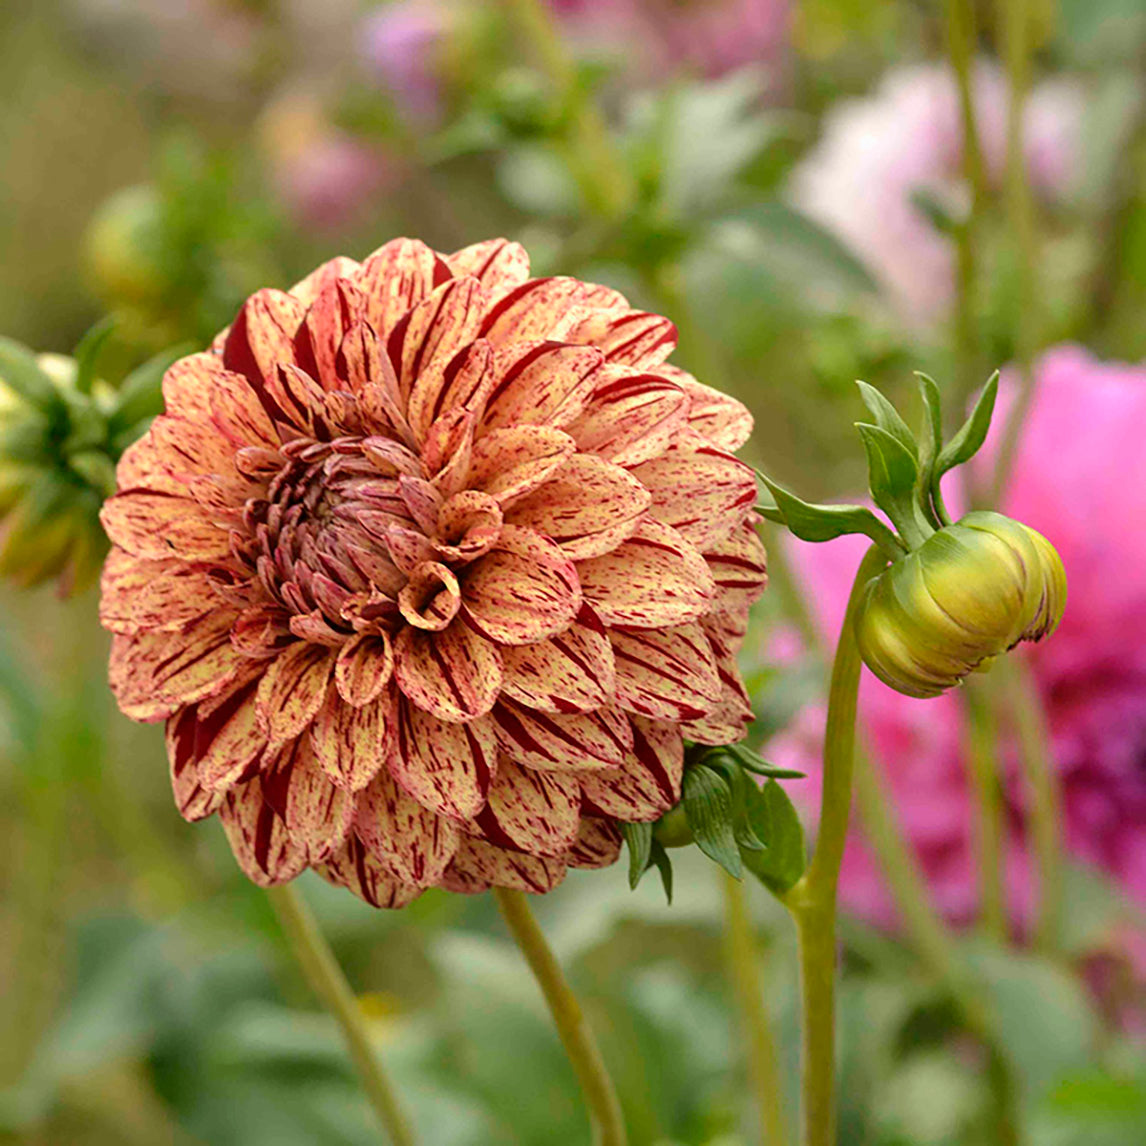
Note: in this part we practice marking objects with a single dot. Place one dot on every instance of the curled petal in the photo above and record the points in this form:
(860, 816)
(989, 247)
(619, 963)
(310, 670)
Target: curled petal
(363, 668)
(292, 689)
(455, 675)
(571, 672)
(469, 525)
(446, 767)
(525, 589)
(353, 742)
(588, 507)
(265, 849)
(648, 783)
(666, 674)
(414, 844)
(532, 811)
(653, 580)
(479, 865)
(577, 742)
(354, 868)
(431, 598)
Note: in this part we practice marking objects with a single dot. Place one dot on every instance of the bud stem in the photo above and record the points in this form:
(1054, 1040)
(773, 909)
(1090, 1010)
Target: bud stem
(326, 979)
(812, 900)
(580, 1046)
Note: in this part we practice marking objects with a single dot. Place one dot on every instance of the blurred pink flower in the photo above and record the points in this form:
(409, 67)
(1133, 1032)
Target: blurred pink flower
(878, 152)
(1080, 478)
(707, 36)
(402, 44)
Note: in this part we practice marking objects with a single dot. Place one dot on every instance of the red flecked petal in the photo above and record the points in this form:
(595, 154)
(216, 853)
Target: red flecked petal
(454, 675)
(532, 811)
(648, 783)
(364, 667)
(666, 674)
(159, 525)
(589, 741)
(352, 742)
(497, 264)
(292, 689)
(722, 420)
(354, 868)
(511, 462)
(317, 814)
(631, 338)
(395, 278)
(193, 798)
(598, 844)
(262, 845)
(153, 596)
(479, 865)
(539, 384)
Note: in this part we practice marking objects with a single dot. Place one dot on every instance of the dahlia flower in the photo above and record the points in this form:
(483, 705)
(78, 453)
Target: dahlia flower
(878, 153)
(431, 567)
(1079, 474)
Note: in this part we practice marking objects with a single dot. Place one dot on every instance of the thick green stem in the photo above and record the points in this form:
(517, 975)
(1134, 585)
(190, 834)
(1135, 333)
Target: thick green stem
(812, 900)
(605, 181)
(760, 1044)
(580, 1046)
(984, 772)
(1045, 811)
(326, 979)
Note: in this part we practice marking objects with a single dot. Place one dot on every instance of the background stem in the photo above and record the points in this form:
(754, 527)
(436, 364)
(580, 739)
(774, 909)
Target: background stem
(744, 972)
(580, 1046)
(325, 977)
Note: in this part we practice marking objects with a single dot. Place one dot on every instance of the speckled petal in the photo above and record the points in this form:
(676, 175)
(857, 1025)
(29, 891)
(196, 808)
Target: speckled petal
(666, 674)
(153, 596)
(262, 337)
(545, 308)
(497, 264)
(653, 580)
(510, 462)
(718, 418)
(631, 338)
(395, 278)
(316, 813)
(598, 844)
(292, 689)
(227, 740)
(194, 800)
(354, 868)
(364, 667)
(308, 289)
(188, 384)
(479, 865)
(532, 811)
(352, 743)
(158, 525)
(739, 568)
(589, 741)
(540, 384)
(455, 675)
(648, 783)
(265, 849)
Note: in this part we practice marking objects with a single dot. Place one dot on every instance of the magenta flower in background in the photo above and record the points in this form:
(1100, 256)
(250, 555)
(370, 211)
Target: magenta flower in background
(706, 36)
(402, 45)
(1080, 478)
(877, 153)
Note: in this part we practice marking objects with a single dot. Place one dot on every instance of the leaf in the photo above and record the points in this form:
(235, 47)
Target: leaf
(755, 763)
(887, 418)
(20, 372)
(88, 352)
(827, 522)
(729, 767)
(639, 841)
(971, 435)
(663, 864)
(775, 819)
(708, 805)
(891, 473)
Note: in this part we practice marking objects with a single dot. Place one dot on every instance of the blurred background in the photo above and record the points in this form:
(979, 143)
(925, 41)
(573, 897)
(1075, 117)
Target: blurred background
(794, 186)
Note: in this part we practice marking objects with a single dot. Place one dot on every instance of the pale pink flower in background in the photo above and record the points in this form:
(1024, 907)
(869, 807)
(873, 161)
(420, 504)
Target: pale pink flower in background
(1080, 478)
(403, 47)
(879, 152)
(710, 37)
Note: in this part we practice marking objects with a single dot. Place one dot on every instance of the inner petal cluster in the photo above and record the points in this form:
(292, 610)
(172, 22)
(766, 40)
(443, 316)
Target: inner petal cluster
(431, 568)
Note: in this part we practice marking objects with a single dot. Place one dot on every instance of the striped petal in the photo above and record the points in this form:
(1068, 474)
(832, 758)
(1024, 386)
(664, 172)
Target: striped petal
(578, 742)
(598, 844)
(648, 784)
(524, 590)
(153, 674)
(364, 667)
(588, 507)
(308, 289)
(446, 767)
(532, 811)
(497, 264)
(571, 672)
(630, 417)
(194, 800)
(188, 384)
(227, 740)
(414, 844)
(540, 384)
(454, 675)
(720, 419)
(545, 308)
(238, 413)
(316, 813)
(395, 278)
(354, 868)
(739, 567)
(153, 596)
(511, 462)
(479, 866)
(653, 580)
(631, 338)
(666, 674)
(158, 525)
(337, 307)
(261, 338)
(262, 845)
(292, 689)
(353, 742)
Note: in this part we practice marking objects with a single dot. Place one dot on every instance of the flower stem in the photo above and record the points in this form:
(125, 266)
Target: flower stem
(605, 181)
(812, 900)
(984, 773)
(326, 979)
(580, 1046)
(763, 1059)
(1037, 761)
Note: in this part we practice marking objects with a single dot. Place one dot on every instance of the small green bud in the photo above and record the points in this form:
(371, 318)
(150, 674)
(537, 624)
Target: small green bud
(965, 596)
(672, 830)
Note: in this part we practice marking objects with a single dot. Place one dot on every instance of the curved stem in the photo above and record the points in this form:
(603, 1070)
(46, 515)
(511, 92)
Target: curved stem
(812, 900)
(763, 1059)
(580, 1046)
(325, 977)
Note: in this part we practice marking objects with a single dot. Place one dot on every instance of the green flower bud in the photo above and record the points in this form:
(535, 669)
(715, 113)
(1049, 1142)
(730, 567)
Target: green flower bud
(965, 596)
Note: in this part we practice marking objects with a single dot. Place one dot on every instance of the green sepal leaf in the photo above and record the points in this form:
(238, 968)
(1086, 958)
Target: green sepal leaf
(663, 864)
(887, 418)
(708, 804)
(755, 763)
(774, 818)
(927, 489)
(972, 434)
(21, 373)
(88, 352)
(639, 841)
(729, 767)
(826, 522)
(141, 394)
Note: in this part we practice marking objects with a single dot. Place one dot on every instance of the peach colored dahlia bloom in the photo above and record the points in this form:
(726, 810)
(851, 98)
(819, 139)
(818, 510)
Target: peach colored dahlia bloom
(431, 567)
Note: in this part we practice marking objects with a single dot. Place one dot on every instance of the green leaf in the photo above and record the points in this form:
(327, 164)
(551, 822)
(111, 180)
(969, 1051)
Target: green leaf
(707, 802)
(663, 864)
(729, 767)
(141, 394)
(927, 489)
(775, 819)
(891, 469)
(754, 762)
(827, 522)
(88, 352)
(971, 435)
(639, 841)
(20, 372)
(887, 418)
